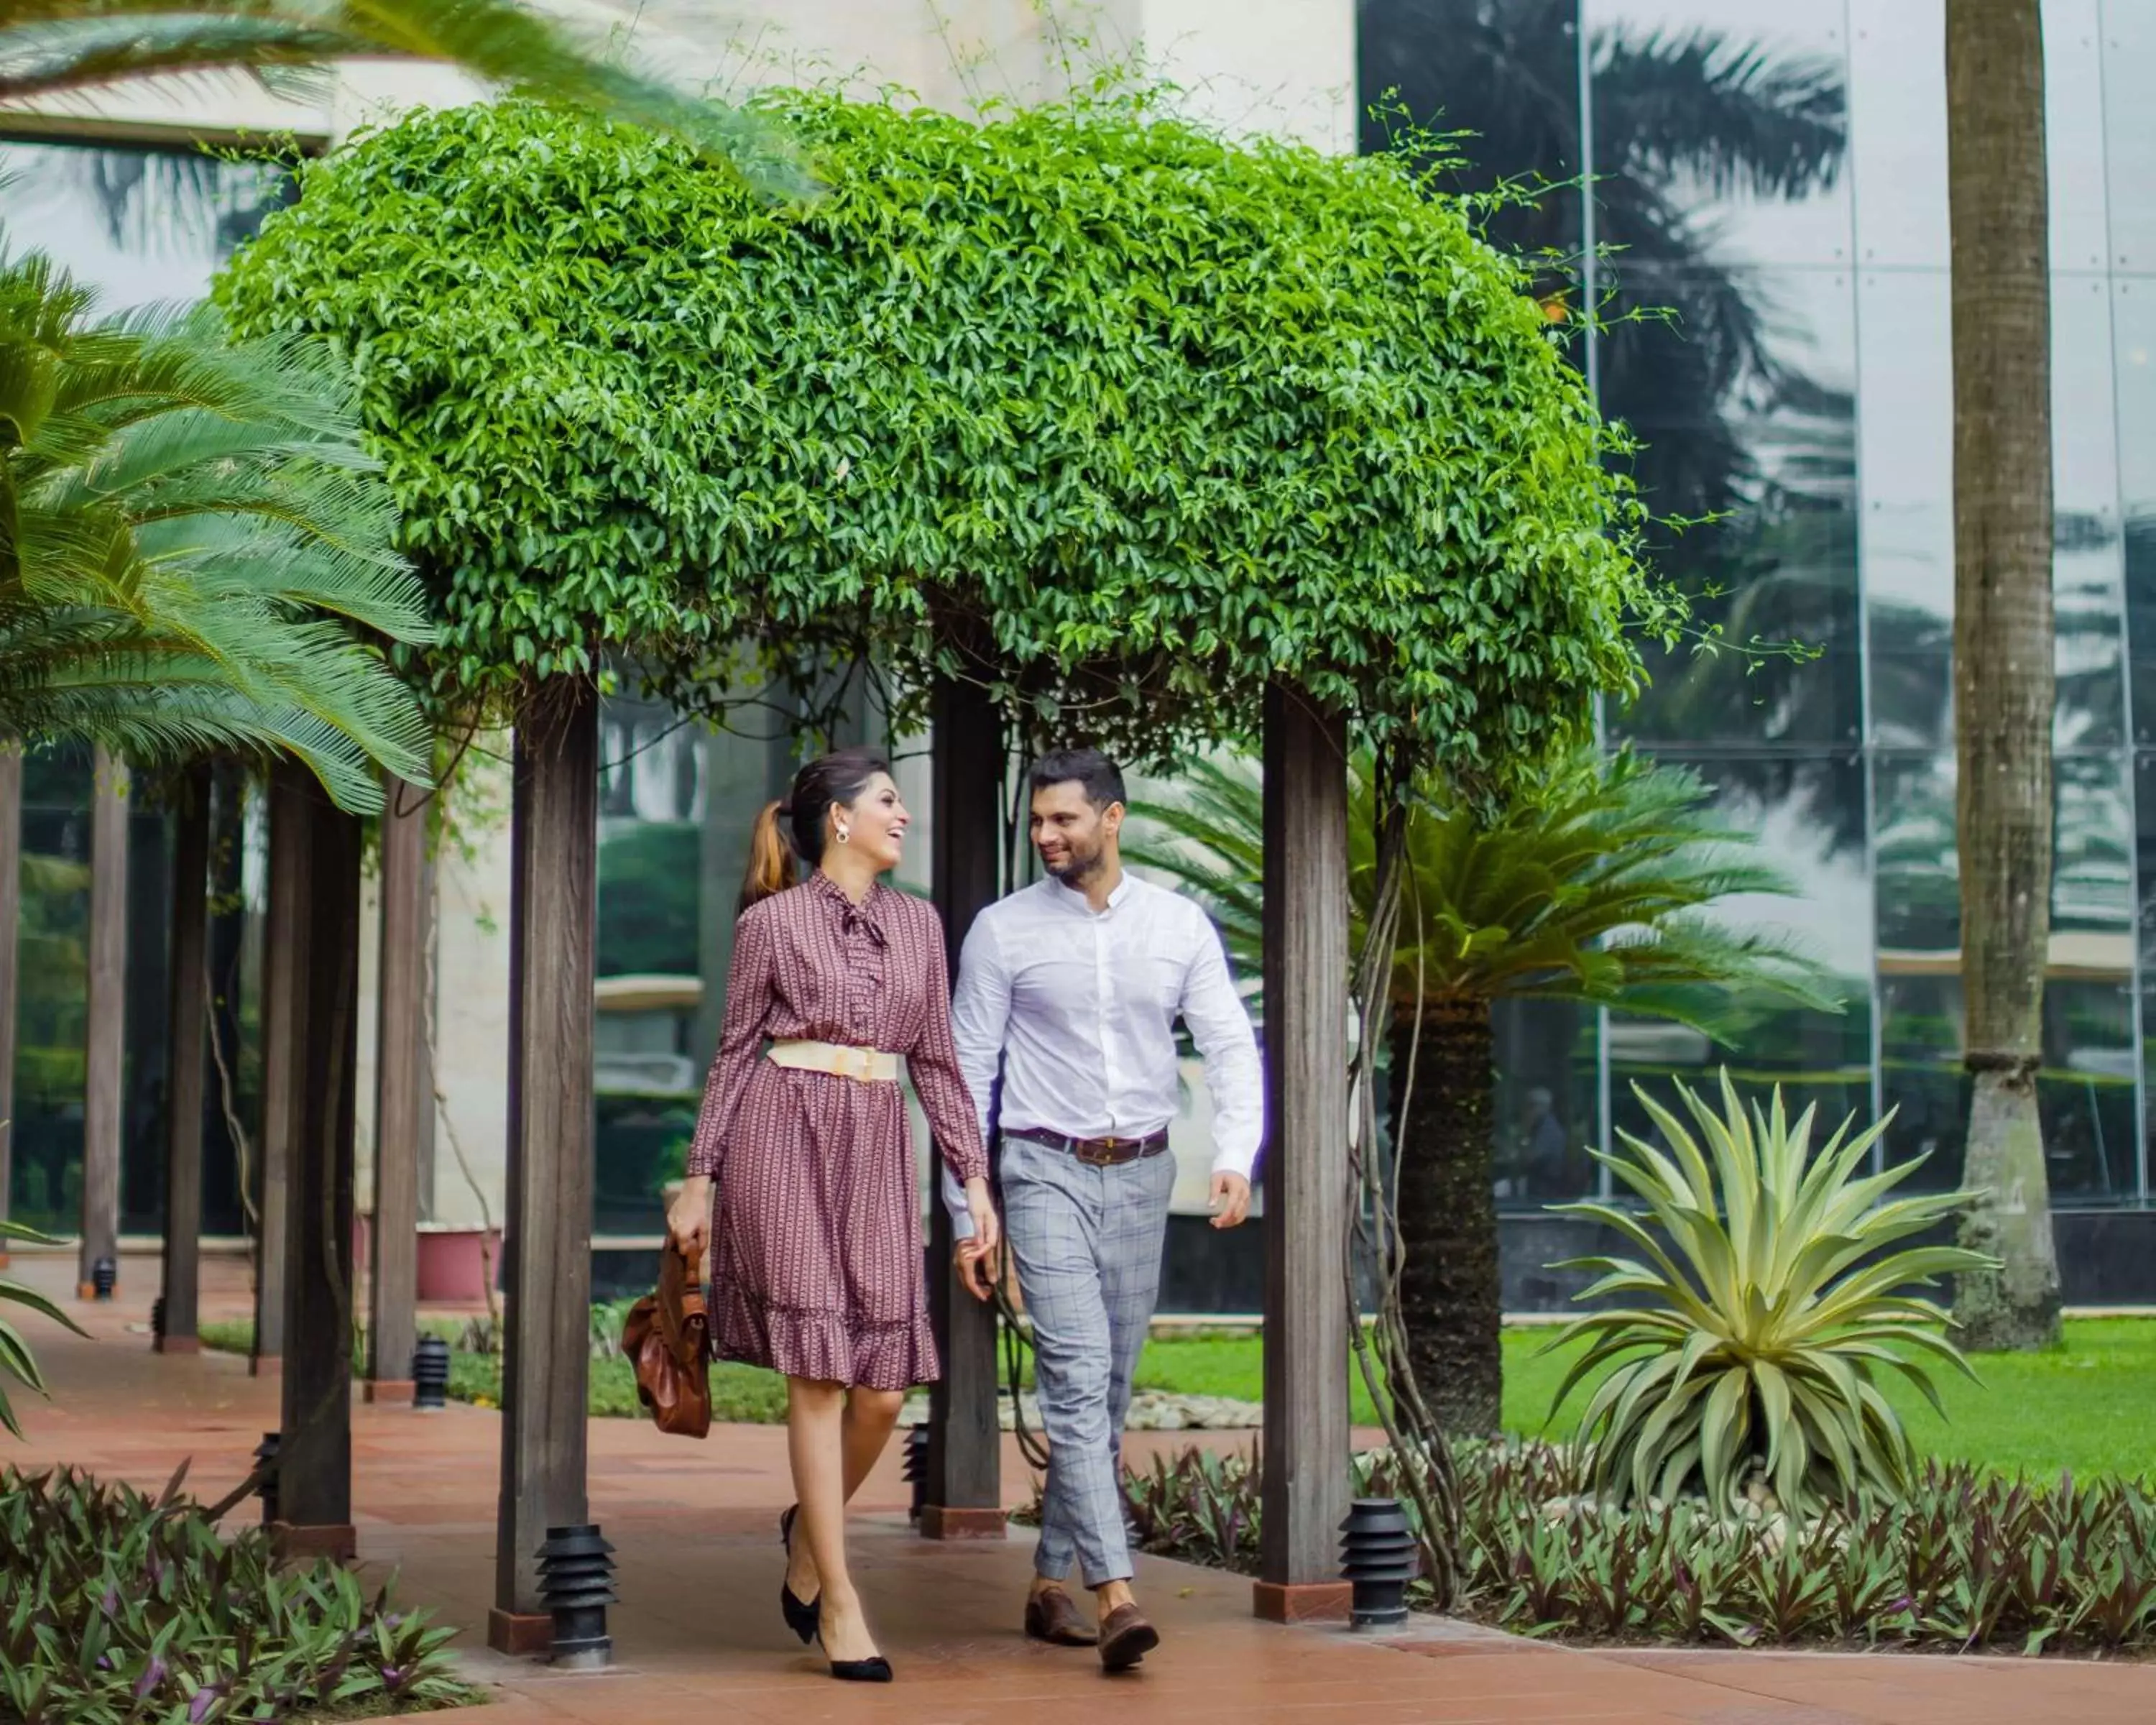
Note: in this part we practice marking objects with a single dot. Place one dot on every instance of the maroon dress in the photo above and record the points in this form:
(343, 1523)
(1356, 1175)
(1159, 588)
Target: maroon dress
(816, 1245)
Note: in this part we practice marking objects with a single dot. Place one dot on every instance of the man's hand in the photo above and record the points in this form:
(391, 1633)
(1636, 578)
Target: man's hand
(977, 1267)
(1231, 1199)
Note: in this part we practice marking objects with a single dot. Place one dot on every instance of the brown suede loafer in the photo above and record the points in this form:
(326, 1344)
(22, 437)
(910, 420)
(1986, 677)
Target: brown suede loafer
(1050, 1616)
(1125, 1638)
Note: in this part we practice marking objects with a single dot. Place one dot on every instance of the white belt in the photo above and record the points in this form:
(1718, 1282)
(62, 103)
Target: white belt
(869, 1066)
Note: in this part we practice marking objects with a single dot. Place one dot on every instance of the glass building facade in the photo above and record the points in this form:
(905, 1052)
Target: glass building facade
(1755, 191)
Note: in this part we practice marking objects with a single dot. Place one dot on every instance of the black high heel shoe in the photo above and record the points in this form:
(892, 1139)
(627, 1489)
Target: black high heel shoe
(800, 1614)
(875, 1669)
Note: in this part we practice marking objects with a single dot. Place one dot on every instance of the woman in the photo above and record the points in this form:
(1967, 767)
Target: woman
(815, 1232)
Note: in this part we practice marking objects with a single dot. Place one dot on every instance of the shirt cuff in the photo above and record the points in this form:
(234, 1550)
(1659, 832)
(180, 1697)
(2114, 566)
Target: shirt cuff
(1236, 1162)
(954, 1203)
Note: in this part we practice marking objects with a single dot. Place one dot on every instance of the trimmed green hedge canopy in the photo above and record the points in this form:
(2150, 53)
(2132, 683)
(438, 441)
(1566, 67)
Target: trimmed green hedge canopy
(1124, 418)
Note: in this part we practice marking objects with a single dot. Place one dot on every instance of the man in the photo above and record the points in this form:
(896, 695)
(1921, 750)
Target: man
(1073, 987)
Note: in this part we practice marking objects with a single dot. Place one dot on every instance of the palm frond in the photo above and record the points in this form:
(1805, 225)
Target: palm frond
(192, 530)
(53, 47)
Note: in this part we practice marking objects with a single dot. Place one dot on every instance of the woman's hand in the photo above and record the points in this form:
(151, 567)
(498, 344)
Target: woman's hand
(688, 1217)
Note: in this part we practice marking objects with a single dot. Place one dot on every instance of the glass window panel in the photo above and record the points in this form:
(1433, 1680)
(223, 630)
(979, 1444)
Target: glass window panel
(1505, 71)
(1897, 131)
(1808, 815)
(2133, 350)
(1720, 129)
(1547, 1119)
(2085, 1084)
(2086, 576)
(2073, 133)
(1905, 417)
(2129, 120)
(1744, 404)
(137, 225)
(1905, 411)
(53, 983)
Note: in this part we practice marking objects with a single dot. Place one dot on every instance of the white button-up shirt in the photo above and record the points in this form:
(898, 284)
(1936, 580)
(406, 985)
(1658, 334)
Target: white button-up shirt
(1080, 1010)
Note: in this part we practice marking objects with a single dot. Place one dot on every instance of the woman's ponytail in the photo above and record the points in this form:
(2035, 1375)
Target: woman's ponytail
(771, 858)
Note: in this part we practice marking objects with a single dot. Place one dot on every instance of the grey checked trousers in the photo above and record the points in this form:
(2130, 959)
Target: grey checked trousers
(1088, 1243)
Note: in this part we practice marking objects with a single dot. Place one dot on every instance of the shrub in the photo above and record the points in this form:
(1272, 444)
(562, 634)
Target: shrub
(16, 1359)
(1958, 1562)
(1767, 1315)
(118, 1607)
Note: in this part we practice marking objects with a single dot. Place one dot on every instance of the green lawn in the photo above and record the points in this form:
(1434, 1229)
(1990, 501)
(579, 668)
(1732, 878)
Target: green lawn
(2090, 1406)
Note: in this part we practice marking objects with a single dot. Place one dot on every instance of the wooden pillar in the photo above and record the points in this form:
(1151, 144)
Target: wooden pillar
(314, 1485)
(282, 969)
(189, 1019)
(1306, 1437)
(105, 1054)
(546, 1254)
(11, 916)
(403, 1098)
(964, 1498)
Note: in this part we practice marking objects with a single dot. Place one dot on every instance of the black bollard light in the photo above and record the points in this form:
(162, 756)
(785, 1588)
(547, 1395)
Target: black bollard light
(104, 1274)
(576, 1579)
(1378, 1558)
(157, 1317)
(266, 1454)
(430, 1375)
(916, 1469)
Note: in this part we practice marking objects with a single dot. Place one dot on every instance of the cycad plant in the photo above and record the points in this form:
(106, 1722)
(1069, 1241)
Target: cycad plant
(15, 1360)
(1593, 883)
(188, 529)
(1771, 1305)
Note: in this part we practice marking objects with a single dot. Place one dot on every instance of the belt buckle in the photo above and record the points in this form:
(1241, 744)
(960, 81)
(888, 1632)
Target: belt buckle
(860, 1060)
(1099, 1152)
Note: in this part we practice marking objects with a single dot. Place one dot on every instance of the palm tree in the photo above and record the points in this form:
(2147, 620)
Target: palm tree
(188, 529)
(55, 48)
(1997, 200)
(1593, 884)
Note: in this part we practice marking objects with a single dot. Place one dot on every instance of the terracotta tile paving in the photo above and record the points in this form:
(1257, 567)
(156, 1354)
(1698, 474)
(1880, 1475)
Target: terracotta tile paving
(698, 1638)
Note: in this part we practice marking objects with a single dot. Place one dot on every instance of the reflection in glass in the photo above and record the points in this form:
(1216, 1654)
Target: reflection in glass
(1506, 72)
(140, 226)
(1720, 127)
(1774, 454)
(1546, 1117)
(2133, 355)
(1815, 1056)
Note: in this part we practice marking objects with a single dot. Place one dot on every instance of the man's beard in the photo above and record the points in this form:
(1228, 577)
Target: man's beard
(1081, 867)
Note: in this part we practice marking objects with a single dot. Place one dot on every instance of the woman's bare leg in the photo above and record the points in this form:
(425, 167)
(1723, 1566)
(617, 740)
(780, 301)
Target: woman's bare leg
(865, 1433)
(815, 1446)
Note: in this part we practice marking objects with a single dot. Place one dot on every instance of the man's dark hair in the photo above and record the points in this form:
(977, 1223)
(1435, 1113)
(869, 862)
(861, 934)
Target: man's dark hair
(1100, 779)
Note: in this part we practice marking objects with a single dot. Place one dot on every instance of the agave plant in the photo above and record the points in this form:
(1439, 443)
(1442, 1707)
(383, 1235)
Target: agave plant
(1771, 1306)
(16, 1359)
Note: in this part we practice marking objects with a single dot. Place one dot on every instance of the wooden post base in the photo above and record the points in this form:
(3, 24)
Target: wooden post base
(388, 1392)
(297, 1543)
(265, 1365)
(1301, 1602)
(177, 1344)
(941, 1521)
(519, 1633)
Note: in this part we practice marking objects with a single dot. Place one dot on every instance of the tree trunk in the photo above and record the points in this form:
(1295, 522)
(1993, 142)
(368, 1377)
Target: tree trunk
(1450, 1298)
(2002, 648)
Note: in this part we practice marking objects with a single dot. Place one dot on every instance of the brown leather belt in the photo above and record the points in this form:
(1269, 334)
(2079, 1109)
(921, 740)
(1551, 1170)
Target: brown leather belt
(1099, 1152)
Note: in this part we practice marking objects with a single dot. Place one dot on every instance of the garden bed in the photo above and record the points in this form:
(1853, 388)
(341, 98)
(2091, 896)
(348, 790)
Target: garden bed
(116, 1607)
(1961, 1561)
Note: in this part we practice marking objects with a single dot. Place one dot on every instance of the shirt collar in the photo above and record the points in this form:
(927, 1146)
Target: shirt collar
(1071, 898)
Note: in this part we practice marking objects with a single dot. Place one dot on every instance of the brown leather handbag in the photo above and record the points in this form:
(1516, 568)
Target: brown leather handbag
(665, 1337)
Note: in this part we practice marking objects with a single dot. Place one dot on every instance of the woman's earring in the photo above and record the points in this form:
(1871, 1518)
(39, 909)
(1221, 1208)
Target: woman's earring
(844, 834)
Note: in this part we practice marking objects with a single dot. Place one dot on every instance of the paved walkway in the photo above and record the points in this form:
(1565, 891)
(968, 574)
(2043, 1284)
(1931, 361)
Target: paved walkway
(697, 1631)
